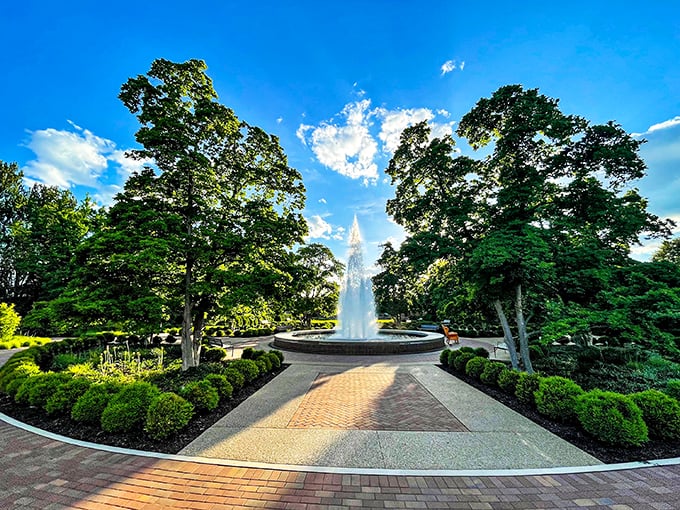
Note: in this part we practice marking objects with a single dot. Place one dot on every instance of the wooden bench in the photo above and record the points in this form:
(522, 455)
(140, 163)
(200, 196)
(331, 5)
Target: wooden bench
(450, 337)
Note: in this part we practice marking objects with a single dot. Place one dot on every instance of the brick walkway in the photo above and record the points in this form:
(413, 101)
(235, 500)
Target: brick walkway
(38, 472)
(372, 401)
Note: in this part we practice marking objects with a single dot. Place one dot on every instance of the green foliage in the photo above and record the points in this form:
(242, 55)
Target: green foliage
(127, 409)
(481, 351)
(556, 398)
(491, 372)
(9, 322)
(612, 418)
(673, 388)
(261, 365)
(444, 357)
(248, 353)
(90, 406)
(507, 380)
(235, 378)
(462, 359)
(660, 412)
(221, 384)
(278, 354)
(475, 367)
(37, 389)
(274, 360)
(526, 385)
(202, 394)
(63, 400)
(213, 354)
(453, 354)
(15, 371)
(247, 367)
(168, 413)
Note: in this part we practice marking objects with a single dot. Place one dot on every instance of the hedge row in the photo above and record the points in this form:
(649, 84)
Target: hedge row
(122, 407)
(613, 418)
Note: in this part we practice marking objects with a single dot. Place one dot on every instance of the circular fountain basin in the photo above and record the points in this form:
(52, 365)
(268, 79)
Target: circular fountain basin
(389, 341)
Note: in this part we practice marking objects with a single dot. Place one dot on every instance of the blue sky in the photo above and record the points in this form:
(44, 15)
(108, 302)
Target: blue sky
(336, 82)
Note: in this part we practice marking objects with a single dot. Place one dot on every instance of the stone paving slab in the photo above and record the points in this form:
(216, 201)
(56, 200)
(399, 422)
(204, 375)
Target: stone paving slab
(266, 428)
(39, 472)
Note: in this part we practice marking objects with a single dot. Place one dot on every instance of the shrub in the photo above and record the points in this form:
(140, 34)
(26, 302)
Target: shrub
(221, 384)
(535, 352)
(491, 372)
(9, 322)
(63, 361)
(37, 389)
(274, 360)
(444, 357)
(467, 348)
(127, 409)
(63, 400)
(481, 352)
(556, 397)
(452, 357)
(526, 385)
(167, 414)
(278, 354)
(90, 406)
(612, 418)
(673, 388)
(247, 367)
(213, 354)
(235, 378)
(476, 366)
(261, 365)
(461, 360)
(660, 412)
(247, 353)
(202, 395)
(507, 380)
(16, 373)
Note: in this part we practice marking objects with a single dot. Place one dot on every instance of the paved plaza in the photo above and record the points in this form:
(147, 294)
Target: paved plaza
(339, 432)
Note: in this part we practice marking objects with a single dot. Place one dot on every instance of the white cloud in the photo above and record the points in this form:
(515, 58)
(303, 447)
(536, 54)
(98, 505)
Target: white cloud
(462, 65)
(78, 157)
(347, 146)
(279, 120)
(395, 121)
(675, 121)
(318, 228)
(448, 66)
(322, 201)
(443, 113)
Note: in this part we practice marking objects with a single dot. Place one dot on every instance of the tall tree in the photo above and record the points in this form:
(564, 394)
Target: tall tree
(668, 251)
(539, 183)
(227, 197)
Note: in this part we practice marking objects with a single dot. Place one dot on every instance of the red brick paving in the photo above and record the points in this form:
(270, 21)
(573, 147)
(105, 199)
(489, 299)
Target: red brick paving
(37, 472)
(372, 400)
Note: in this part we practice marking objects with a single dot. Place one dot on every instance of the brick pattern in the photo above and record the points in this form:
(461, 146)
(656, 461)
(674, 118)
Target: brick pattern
(36, 472)
(368, 400)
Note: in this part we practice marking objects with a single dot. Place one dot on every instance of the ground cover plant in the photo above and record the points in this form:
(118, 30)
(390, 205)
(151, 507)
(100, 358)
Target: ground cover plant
(612, 426)
(136, 399)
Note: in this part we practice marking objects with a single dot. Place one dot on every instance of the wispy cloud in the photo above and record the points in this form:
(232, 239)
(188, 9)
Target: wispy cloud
(78, 157)
(279, 120)
(319, 228)
(666, 124)
(451, 65)
(395, 121)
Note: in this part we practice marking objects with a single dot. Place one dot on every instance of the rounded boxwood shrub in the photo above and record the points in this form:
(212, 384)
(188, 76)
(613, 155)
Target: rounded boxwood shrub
(476, 366)
(526, 385)
(63, 400)
(612, 418)
(37, 389)
(462, 360)
(90, 406)
(481, 352)
(202, 395)
(261, 365)
(274, 360)
(556, 397)
(491, 372)
(507, 380)
(127, 409)
(673, 388)
(452, 357)
(444, 357)
(660, 412)
(247, 367)
(213, 354)
(18, 367)
(467, 348)
(247, 353)
(167, 414)
(235, 378)
(278, 354)
(220, 383)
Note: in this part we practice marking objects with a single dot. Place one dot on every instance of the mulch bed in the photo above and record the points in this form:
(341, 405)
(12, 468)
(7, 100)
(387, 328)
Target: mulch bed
(574, 434)
(66, 427)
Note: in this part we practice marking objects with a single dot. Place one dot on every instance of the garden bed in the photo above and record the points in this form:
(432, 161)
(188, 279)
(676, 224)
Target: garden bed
(573, 433)
(66, 427)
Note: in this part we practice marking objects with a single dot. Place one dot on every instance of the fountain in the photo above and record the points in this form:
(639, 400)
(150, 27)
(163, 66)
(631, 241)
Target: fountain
(357, 331)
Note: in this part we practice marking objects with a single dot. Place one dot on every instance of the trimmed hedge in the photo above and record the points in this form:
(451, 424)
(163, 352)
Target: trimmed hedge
(235, 378)
(556, 398)
(167, 414)
(202, 395)
(491, 372)
(462, 359)
(612, 418)
(221, 384)
(67, 395)
(507, 380)
(660, 412)
(247, 367)
(673, 388)
(526, 385)
(127, 409)
(90, 406)
(476, 366)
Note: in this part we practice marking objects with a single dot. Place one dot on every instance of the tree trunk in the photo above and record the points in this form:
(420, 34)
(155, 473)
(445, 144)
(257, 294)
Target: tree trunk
(199, 324)
(507, 334)
(522, 330)
(189, 357)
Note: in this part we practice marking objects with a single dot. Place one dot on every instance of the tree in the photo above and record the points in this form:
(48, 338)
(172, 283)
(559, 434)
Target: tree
(224, 195)
(12, 196)
(537, 187)
(314, 286)
(9, 322)
(668, 251)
